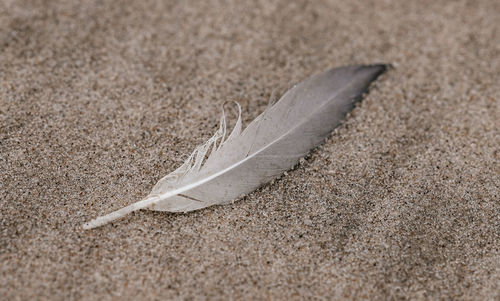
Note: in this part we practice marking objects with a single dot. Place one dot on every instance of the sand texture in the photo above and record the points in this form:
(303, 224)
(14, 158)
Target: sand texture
(100, 99)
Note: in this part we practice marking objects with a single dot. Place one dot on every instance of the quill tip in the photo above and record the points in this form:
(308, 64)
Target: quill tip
(87, 226)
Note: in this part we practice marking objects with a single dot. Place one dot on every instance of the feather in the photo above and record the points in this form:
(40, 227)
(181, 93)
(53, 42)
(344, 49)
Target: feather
(224, 169)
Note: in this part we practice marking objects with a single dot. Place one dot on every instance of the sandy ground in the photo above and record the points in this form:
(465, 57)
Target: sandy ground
(100, 99)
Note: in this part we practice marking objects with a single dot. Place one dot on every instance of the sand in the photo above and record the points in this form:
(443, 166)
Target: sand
(100, 99)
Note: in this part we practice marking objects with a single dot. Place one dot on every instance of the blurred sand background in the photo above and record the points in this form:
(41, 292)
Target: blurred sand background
(100, 99)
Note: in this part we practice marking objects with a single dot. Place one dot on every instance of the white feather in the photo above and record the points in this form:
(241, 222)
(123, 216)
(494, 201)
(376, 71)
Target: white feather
(223, 169)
